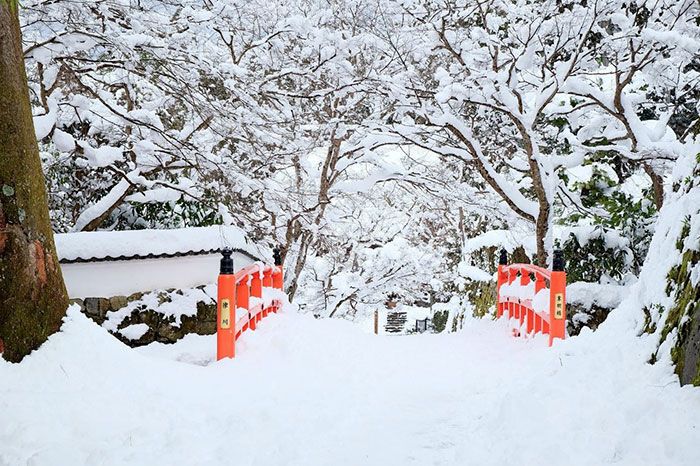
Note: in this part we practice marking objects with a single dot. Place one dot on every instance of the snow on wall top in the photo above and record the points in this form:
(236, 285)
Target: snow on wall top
(133, 244)
(588, 294)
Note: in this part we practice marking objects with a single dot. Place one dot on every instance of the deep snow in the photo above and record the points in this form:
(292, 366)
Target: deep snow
(305, 391)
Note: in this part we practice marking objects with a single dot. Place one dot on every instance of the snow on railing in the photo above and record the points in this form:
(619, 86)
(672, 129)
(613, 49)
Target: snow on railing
(533, 296)
(252, 293)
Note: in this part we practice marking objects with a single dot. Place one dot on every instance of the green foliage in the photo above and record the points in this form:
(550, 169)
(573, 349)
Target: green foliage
(592, 261)
(482, 296)
(439, 320)
(73, 187)
(613, 209)
(170, 214)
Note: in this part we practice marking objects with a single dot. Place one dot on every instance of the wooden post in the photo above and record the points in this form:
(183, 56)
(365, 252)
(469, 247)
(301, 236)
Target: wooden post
(278, 276)
(502, 262)
(557, 299)
(376, 322)
(226, 309)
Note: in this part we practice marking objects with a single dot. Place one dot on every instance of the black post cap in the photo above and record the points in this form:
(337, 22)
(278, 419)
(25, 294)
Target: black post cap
(503, 259)
(226, 262)
(558, 261)
(277, 255)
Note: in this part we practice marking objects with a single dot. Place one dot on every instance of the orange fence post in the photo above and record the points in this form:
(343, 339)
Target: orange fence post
(502, 262)
(278, 275)
(256, 292)
(235, 291)
(557, 299)
(226, 311)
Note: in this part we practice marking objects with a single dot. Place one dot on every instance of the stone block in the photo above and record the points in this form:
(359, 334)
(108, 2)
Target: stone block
(118, 302)
(96, 308)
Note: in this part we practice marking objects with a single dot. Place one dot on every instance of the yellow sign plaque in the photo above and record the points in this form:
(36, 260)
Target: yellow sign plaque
(559, 306)
(225, 313)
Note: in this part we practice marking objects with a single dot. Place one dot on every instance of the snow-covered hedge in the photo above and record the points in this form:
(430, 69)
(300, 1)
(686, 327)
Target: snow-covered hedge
(668, 292)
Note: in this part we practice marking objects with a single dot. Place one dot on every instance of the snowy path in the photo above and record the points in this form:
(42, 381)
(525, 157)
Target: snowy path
(308, 392)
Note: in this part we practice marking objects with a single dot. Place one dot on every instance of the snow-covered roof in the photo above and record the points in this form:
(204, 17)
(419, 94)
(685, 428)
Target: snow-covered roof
(142, 244)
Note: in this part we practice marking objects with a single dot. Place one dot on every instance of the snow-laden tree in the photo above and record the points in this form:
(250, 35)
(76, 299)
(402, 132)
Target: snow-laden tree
(642, 72)
(286, 120)
(152, 102)
(628, 113)
(490, 82)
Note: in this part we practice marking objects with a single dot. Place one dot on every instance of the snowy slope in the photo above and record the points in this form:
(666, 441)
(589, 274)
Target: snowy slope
(321, 392)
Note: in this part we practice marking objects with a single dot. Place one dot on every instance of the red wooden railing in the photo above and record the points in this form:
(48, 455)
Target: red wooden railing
(534, 296)
(241, 294)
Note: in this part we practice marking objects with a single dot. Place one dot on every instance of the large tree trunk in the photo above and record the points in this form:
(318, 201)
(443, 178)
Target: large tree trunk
(33, 298)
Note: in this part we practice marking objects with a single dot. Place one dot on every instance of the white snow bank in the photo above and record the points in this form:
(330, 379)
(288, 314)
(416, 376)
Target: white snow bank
(116, 244)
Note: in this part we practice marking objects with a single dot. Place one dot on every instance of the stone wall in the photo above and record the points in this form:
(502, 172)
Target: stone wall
(143, 308)
(684, 316)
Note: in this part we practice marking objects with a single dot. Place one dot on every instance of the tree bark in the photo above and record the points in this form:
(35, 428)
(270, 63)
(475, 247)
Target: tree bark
(33, 298)
(657, 183)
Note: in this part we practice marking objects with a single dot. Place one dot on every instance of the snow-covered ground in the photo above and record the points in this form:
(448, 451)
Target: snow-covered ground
(322, 392)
